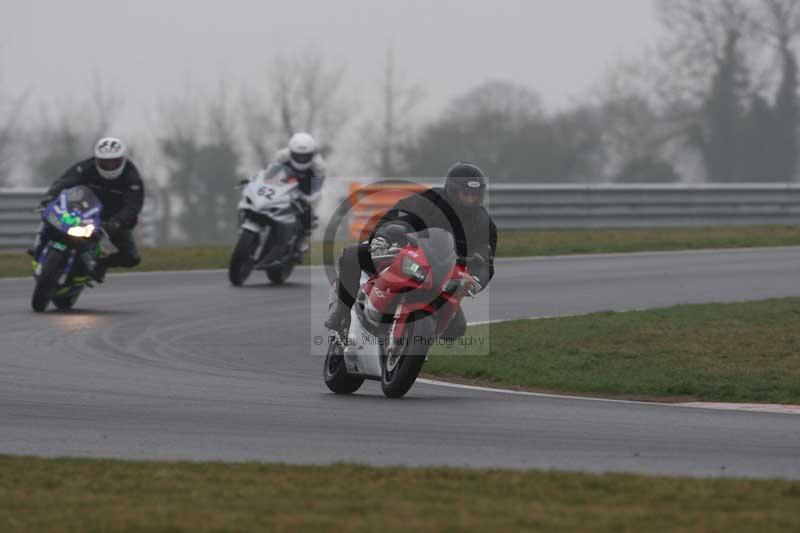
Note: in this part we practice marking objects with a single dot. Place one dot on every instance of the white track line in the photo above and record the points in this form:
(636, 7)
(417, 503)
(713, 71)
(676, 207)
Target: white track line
(750, 407)
(761, 408)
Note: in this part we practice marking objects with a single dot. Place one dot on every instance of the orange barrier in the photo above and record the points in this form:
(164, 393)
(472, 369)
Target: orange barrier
(370, 202)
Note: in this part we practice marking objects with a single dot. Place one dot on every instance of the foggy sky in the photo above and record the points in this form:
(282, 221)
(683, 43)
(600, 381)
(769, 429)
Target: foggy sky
(147, 47)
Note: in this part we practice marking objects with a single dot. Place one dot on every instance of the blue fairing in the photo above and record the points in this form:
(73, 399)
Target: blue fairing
(76, 206)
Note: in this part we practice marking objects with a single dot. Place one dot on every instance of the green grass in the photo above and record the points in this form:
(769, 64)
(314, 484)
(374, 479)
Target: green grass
(564, 242)
(510, 244)
(748, 352)
(94, 496)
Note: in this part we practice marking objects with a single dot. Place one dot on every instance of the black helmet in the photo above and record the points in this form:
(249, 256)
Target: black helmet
(465, 186)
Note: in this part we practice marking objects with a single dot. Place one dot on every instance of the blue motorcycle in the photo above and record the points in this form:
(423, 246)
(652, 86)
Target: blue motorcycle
(70, 246)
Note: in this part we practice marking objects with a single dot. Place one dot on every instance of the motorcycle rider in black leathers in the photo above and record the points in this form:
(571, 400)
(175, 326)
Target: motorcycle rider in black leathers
(307, 165)
(116, 182)
(456, 207)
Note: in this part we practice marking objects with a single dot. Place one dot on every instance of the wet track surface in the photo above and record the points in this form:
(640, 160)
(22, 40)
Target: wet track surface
(184, 366)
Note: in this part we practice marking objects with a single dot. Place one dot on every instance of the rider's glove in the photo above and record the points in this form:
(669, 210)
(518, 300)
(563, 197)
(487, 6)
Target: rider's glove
(111, 226)
(379, 247)
(475, 287)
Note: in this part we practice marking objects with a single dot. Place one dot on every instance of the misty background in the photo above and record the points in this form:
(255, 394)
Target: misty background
(570, 91)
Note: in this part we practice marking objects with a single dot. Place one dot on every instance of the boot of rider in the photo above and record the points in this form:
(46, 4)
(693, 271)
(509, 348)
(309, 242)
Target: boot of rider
(302, 246)
(338, 312)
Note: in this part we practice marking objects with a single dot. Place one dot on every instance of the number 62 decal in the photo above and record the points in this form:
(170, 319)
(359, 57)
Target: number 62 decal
(268, 192)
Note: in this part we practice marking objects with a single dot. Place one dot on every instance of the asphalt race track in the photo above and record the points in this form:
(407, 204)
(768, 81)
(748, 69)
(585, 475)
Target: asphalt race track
(184, 366)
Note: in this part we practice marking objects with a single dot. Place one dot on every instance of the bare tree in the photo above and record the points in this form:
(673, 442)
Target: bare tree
(199, 145)
(306, 95)
(67, 129)
(11, 109)
(389, 137)
(106, 103)
(698, 33)
(261, 127)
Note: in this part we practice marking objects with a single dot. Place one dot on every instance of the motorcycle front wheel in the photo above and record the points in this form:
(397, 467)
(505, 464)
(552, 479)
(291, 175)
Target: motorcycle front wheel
(47, 281)
(403, 361)
(242, 261)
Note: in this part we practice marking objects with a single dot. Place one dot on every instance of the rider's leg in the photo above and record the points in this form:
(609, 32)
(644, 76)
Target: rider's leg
(354, 258)
(127, 254)
(308, 220)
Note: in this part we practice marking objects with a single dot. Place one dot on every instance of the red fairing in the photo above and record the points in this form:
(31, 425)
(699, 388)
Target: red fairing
(386, 291)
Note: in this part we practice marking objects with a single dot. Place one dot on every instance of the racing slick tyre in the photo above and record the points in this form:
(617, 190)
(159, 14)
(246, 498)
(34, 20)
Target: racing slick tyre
(335, 373)
(403, 360)
(47, 281)
(242, 261)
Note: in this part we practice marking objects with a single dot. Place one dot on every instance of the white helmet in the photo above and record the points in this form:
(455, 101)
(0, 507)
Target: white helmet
(110, 157)
(302, 149)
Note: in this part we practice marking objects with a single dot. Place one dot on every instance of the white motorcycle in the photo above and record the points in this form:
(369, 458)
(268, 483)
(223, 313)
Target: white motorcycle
(270, 226)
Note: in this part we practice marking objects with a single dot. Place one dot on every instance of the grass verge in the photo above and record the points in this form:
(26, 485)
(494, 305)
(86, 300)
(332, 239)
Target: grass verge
(746, 352)
(101, 495)
(510, 244)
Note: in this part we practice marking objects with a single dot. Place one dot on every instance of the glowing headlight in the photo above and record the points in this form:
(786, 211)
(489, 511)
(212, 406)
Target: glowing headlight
(81, 231)
(414, 270)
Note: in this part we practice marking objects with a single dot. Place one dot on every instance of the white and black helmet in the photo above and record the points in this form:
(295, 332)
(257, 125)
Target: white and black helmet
(110, 157)
(302, 149)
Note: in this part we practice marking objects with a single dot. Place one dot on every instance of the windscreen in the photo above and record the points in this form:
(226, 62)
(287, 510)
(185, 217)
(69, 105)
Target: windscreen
(439, 248)
(80, 199)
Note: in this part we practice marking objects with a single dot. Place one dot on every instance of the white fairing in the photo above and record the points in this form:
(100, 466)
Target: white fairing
(362, 355)
(269, 193)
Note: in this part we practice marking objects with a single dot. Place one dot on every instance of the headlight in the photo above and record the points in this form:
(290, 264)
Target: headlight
(81, 231)
(414, 270)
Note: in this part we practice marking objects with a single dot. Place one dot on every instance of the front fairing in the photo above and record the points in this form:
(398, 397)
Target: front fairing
(270, 195)
(74, 210)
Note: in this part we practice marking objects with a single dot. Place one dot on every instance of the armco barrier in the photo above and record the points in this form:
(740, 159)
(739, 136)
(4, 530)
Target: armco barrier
(18, 221)
(522, 206)
(519, 206)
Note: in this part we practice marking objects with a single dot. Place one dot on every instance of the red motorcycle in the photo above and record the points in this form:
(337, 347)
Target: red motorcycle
(399, 314)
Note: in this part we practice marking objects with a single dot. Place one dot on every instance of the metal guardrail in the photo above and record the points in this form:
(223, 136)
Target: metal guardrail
(19, 223)
(520, 206)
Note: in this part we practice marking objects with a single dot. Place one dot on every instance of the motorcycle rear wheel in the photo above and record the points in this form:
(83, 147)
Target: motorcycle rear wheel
(65, 303)
(47, 281)
(335, 372)
(279, 274)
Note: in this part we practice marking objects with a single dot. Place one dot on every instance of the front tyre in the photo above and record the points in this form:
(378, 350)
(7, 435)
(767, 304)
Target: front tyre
(403, 361)
(335, 373)
(242, 261)
(47, 281)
